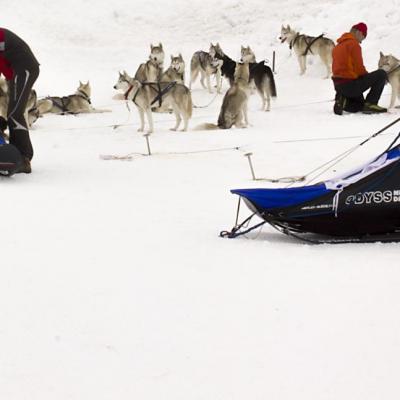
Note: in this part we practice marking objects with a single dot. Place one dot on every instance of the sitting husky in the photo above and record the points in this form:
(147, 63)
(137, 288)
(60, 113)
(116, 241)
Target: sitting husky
(76, 103)
(234, 104)
(247, 55)
(151, 71)
(259, 72)
(31, 111)
(304, 45)
(206, 64)
(144, 94)
(176, 71)
(391, 65)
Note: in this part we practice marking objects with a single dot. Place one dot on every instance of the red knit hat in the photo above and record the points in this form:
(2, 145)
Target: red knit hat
(361, 27)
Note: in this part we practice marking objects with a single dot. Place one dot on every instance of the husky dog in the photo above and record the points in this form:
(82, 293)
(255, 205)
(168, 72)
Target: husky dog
(304, 45)
(206, 64)
(143, 94)
(391, 65)
(234, 104)
(176, 71)
(31, 111)
(259, 72)
(151, 71)
(247, 55)
(76, 103)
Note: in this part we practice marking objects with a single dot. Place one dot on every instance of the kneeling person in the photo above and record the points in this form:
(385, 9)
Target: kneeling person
(350, 77)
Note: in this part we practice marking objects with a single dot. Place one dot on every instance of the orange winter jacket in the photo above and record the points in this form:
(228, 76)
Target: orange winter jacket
(347, 58)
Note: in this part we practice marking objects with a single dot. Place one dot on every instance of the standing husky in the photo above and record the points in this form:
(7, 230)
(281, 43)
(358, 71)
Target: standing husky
(151, 71)
(76, 103)
(259, 72)
(234, 105)
(176, 71)
(304, 45)
(206, 64)
(391, 65)
(143, 94)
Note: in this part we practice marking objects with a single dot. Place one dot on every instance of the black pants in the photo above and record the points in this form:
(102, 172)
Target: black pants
(354, 89)
(19, 89)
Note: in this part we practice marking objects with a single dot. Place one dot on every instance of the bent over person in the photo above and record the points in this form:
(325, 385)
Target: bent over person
(350, 77)
(21, 69)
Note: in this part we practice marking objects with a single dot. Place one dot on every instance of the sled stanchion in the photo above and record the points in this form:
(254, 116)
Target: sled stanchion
(146, 135)
(248, 155)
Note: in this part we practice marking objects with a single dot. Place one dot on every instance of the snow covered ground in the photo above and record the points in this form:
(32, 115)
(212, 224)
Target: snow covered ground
(114, 282)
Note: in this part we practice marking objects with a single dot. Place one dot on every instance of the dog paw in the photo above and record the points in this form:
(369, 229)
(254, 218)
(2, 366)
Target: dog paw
(140, 130)
(173, 129)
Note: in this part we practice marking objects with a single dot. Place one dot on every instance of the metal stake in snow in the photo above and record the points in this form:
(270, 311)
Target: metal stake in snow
(273, 61)
(146, 135)
(248, 155)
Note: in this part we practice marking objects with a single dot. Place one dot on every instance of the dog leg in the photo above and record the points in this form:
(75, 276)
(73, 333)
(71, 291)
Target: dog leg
(150, 120)
(202, 76)
(177, 117)
(246, 119)
(219, 80)
(395, 91)
(208, 83)
(260, 91)
(302, 63)
(193, 76)
(185, 123)
(141, 116)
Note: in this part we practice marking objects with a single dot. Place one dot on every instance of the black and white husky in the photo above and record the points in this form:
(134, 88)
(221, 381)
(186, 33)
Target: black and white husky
(260, 73)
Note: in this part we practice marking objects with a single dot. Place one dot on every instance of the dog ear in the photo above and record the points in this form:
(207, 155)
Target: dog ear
(160, 45)
(381, 54)
(180, 56)
(242, 47)
(151, 46)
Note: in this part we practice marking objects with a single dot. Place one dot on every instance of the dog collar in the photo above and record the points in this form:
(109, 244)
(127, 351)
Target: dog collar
(126, 94)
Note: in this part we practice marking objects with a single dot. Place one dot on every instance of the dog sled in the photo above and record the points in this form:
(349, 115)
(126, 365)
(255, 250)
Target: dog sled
(362, 205)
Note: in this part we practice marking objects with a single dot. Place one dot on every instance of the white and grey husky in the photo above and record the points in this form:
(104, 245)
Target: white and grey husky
(391, 65)
(207, 65)
(31, 111)
(304, 45)
(234, 105)
(76, 103)
(144, 94)
(151, 70)
(176, 70)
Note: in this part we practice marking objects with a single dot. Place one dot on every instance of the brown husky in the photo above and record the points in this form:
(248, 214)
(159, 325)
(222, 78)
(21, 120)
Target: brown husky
(234, 105)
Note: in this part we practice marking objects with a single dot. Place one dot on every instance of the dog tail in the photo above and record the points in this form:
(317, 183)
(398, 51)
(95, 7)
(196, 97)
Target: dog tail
(206, 127)
(272, 86)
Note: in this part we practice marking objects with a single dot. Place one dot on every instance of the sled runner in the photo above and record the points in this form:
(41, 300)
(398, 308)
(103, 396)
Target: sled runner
(360, 206)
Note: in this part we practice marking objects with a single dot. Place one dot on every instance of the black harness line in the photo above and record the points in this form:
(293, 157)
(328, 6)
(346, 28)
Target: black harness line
(309, 44)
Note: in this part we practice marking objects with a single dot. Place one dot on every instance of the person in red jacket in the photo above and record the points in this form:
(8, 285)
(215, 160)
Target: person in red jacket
(350, 77)
(21, 69)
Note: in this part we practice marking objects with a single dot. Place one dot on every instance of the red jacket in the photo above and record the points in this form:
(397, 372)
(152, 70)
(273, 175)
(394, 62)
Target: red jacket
(5, 66)
(347, 60)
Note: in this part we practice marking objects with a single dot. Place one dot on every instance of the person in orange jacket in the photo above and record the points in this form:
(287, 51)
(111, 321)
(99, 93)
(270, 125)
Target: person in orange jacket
(350, 77)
